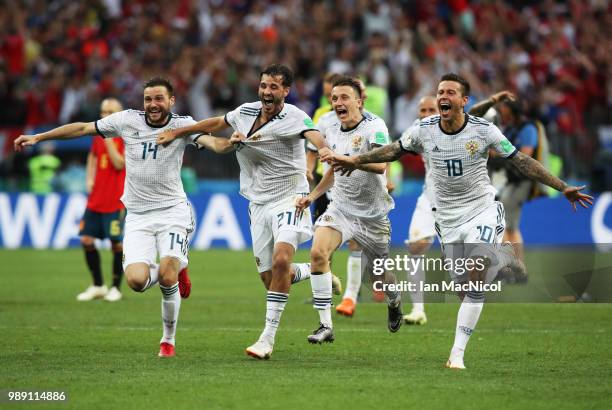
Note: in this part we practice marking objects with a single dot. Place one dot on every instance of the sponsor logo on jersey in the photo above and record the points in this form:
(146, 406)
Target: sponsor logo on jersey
(436, 149)
(356, 142)
(308, 122)
(327, 218)
(258, 261)
(471, 147)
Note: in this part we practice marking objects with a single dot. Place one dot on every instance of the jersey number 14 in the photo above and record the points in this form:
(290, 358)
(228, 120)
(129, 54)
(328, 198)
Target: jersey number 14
(149, 147)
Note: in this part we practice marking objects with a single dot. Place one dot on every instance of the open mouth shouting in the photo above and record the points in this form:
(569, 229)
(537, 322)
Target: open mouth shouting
(444, 107)
(267, 102)
(341, 112)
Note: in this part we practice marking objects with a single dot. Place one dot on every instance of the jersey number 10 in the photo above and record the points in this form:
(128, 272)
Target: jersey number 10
(454, 167)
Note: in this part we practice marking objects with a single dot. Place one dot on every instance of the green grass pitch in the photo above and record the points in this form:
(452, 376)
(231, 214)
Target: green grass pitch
(104, 355)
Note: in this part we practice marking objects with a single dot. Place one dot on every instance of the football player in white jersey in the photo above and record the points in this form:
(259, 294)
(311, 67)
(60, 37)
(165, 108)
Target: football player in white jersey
(421, 232)
(359, 206)
(159, 218)
(269, 147)
(456, 147)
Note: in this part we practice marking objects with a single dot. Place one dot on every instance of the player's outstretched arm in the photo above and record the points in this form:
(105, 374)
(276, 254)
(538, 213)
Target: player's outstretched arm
(480, 108)
(73, 130)
(532, 169)
(346, 165)
(206, 126)
(219, 145)
(322, 187)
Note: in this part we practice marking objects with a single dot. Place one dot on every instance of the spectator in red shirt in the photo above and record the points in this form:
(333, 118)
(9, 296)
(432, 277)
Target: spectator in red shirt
(105, 214)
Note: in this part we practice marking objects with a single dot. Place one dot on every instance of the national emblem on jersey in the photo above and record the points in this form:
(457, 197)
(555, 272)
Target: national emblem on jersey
(471, 147)
(255, 138)
(356, 142)
(327, 218)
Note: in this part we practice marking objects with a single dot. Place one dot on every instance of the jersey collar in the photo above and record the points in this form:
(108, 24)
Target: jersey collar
(465, 122)
(353, 127)
(158, 126)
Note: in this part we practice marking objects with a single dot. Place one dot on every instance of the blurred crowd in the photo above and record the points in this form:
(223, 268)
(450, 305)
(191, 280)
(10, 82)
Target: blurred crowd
(59, 58)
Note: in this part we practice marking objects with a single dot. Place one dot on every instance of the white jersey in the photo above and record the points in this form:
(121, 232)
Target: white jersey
(362, 194)
(272, 160)
(457, 165)
(153, 172)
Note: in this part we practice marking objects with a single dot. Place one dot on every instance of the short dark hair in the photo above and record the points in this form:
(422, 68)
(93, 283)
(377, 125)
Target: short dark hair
(279, 69)
(458, 79)
(350, 82)
(516, 107)
(160, 82)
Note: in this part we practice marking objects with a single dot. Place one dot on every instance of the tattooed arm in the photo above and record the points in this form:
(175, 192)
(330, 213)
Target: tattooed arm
(344, 164)
(535, 171)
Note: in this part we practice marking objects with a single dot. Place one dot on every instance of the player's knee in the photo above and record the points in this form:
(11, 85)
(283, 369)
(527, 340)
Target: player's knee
(168, 276)
(281, 263)
(318, 256)
(88, 243)
(136, 282)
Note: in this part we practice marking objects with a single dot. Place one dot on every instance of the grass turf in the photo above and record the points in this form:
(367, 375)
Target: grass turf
(104, 354)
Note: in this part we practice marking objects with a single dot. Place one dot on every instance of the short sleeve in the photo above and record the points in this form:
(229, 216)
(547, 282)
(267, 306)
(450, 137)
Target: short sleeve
(410, 140)
(528, 137)
(186, 122)
(379, 134)
(497, 141)
(111, 125)
(304, 124)
(231, 118)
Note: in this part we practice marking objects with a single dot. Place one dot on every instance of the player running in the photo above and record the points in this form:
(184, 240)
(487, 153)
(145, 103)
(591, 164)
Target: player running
(456, 146)
(421, 232)
(360, 203)
(159, 218)
(269, 147)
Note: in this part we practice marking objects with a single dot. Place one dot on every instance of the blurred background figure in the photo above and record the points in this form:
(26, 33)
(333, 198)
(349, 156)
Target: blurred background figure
(43, 168)
(529, 137)
(105, 213)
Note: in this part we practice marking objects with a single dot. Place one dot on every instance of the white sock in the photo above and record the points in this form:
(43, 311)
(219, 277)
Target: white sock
(153, 276)
(322, 296)
(171, 304)
(467, 317)
(275, 304)
(418, 278)
(301, 272)
(353, 276)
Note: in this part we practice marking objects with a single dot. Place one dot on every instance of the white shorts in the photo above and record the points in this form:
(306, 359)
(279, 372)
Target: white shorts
(422, 222)
(160, 232)
(277, 222)
(373, 235)
(480, 236)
